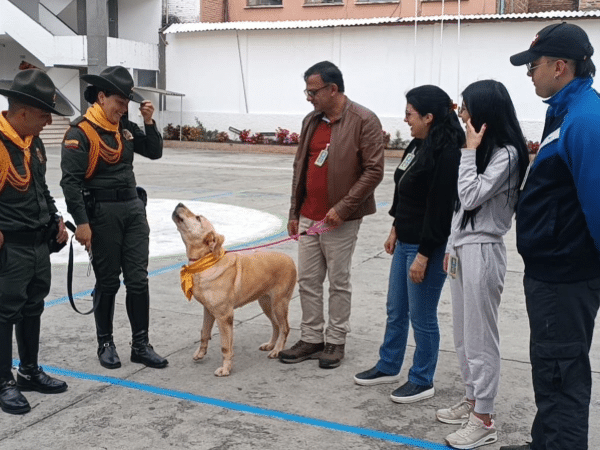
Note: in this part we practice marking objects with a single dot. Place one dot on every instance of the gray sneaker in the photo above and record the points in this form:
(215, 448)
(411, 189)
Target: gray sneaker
(473, 434)
(456, 414)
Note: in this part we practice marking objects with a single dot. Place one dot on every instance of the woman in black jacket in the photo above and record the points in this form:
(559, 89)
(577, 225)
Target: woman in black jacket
(422, 209)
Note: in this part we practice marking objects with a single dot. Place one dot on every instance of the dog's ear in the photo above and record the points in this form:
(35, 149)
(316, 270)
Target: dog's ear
(214, 242)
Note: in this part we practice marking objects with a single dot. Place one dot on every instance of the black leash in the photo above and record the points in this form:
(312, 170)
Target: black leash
(95, 302)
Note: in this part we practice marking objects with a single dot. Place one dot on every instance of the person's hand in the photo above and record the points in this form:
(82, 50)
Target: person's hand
(332, 219)
(418, 268)
(293, 228)
(83, 235)
(1, 239)
(62, 235)
(446, 258)
(390, 244)
(474, 138)
(147, 109)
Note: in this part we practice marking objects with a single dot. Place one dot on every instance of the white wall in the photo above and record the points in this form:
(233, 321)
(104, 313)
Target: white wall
(184, 10)
(380, 64)
(139, 55)
(140, 20)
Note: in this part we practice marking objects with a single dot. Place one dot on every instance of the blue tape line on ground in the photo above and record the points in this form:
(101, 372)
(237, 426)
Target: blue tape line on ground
(240, 407)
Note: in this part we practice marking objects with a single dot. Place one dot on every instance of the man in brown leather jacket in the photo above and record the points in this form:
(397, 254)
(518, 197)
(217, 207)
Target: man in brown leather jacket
(338, 165)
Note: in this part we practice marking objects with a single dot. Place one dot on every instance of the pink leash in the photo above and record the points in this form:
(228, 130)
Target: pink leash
(311, 231)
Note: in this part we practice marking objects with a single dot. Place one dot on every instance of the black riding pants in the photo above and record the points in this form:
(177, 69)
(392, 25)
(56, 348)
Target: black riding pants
(120, 240)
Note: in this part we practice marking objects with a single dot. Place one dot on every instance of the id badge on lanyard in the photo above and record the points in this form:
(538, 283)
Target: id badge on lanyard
(406, 162)
(322, 156)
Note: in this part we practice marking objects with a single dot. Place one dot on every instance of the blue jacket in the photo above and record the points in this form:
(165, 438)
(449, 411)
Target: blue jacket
(558, 213)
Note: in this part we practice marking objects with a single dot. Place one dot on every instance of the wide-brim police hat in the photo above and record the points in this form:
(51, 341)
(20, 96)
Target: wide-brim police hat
(34, 87)
(115, 79)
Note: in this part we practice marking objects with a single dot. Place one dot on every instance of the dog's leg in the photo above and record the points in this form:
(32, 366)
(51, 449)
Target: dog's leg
(280, 312)
(265, 304)
(225, 325)
(207, 325)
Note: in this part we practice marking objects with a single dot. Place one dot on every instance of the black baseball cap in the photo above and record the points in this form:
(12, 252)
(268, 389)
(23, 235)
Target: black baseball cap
(561, 40)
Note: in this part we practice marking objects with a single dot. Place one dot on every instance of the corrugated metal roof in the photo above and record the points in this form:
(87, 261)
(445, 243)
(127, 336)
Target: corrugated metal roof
(222, 26)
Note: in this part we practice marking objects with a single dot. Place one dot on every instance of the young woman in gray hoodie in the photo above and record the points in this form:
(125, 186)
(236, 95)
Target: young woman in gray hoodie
(492, 167)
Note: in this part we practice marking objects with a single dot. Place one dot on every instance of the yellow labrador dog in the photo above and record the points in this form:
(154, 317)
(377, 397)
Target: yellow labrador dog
(224, 281)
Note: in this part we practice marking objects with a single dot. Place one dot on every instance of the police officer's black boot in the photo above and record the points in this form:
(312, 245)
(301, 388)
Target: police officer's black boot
(104, 313)
(30, 376)
(11, 399)
(138, 310)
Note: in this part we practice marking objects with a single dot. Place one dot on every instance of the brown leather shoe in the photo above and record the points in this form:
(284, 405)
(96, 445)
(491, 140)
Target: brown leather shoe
(332, 356)
(301, 351)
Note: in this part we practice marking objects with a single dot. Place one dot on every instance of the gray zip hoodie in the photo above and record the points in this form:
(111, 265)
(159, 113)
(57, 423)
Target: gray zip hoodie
(495, 190)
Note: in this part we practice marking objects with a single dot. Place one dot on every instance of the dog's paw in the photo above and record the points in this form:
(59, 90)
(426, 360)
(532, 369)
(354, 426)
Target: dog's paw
(222, 372)
(267, 347)
(274, 354)
(199, 354)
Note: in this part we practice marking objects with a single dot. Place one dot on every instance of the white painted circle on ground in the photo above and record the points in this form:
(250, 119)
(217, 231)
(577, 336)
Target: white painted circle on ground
(236, 223)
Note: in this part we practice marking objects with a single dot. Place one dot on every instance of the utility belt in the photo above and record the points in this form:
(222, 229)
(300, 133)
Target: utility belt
(29, 238)
(91, 197)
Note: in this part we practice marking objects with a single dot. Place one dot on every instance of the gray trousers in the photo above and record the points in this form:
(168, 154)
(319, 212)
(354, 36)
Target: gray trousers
(328, 254)
(476, 295)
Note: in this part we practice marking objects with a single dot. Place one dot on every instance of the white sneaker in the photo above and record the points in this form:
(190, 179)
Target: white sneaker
(473, 434)
(456, 414)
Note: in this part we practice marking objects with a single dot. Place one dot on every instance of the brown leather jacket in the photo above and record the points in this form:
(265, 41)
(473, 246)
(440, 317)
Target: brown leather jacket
(355, 162)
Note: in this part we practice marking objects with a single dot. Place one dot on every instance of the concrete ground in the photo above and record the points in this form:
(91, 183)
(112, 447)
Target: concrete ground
(263, 404)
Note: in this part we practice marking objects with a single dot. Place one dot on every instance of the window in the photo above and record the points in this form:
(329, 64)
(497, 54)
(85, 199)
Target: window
(145, 78)
(264, 2)
(322, 2)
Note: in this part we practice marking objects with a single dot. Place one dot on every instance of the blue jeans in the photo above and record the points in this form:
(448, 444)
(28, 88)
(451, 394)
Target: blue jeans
(417, 302)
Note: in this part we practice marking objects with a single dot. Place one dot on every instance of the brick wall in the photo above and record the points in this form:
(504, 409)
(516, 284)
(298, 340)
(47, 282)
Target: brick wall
(516, 6)
(212, 11)
(183, 10)
(553, 5)
(589, 4)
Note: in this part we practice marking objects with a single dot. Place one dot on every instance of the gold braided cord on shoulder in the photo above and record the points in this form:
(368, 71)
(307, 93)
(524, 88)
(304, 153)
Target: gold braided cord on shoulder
(8, 172)
(99, 149)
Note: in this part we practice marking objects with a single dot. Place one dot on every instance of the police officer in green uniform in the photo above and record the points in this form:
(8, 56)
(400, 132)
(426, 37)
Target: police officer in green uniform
(100, 192)
(26, 212)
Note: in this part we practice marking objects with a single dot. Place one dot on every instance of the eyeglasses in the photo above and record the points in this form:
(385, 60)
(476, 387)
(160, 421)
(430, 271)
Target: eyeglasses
(313, 92)
(531, 68)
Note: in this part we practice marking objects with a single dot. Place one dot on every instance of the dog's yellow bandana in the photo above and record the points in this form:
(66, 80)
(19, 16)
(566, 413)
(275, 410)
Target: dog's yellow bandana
(187, 272)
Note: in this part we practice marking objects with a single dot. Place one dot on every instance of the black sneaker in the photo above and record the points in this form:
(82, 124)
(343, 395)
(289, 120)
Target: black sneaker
(410, 393)
(516, 447)
(374, 376)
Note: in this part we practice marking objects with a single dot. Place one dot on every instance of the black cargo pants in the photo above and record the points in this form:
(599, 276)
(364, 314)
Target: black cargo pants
(561, 320)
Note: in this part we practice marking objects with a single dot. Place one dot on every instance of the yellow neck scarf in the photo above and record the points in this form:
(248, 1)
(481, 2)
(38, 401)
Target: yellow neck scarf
(187, 272)
(98, 148)
(8, 171)
(97, 116)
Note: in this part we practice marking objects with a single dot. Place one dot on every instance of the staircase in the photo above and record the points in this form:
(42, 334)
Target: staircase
(53, 134)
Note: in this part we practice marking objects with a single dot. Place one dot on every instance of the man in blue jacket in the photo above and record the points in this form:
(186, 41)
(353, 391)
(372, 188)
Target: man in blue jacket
(558, 236)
